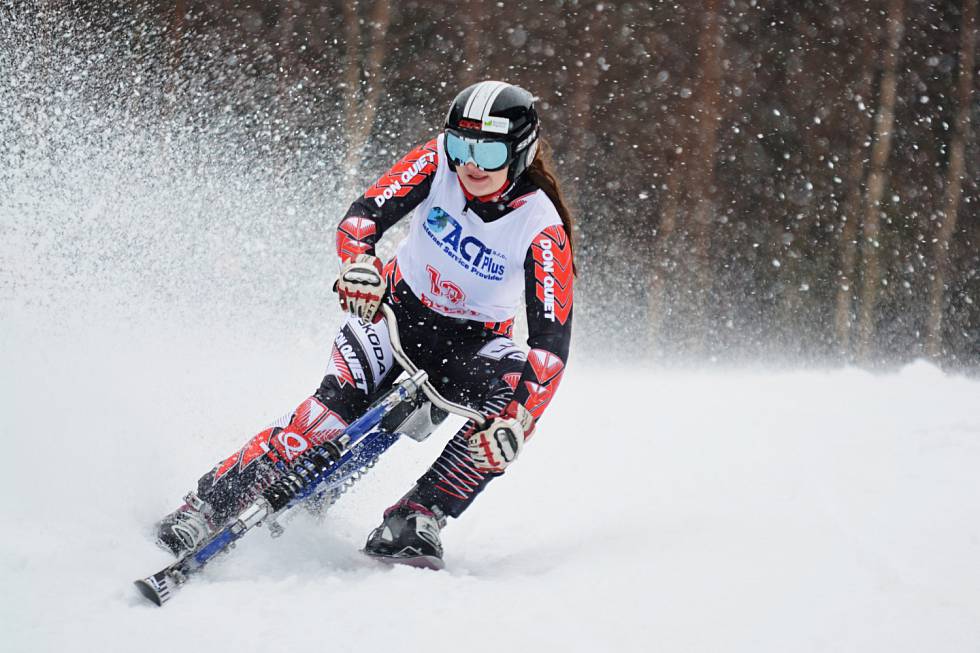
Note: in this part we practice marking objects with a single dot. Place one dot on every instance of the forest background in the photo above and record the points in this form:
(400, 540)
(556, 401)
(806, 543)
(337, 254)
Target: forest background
(793, 179)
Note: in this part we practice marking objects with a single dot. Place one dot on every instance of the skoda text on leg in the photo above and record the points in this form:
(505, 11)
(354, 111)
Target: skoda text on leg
(375, 348)
(378, 351)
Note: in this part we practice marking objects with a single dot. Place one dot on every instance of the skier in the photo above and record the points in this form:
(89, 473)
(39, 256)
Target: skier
(489, 224)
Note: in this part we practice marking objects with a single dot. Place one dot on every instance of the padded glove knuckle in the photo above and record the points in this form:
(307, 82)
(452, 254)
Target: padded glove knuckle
(361, 286)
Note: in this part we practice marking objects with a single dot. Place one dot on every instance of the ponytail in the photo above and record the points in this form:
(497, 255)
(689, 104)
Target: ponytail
(541, 174)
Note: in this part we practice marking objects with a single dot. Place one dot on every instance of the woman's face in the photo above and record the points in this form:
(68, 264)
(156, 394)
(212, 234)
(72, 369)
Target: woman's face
(480, 182)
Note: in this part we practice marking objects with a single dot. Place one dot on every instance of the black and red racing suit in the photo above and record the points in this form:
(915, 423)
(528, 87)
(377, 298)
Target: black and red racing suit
(470, 362)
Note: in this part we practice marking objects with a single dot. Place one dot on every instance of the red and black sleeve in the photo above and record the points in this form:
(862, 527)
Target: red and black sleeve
(386, 202)
(549, 277)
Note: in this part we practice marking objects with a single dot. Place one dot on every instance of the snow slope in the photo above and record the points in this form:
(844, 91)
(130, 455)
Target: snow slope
(655, 510)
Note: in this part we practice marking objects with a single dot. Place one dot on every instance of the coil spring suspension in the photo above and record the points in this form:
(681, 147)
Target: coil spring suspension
(307, 470)
(326, 500)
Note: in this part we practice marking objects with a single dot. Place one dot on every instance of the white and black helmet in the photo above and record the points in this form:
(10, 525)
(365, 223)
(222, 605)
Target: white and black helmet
(493, 113)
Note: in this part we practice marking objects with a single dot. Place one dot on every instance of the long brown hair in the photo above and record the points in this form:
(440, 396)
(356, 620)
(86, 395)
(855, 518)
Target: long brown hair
(541, 173)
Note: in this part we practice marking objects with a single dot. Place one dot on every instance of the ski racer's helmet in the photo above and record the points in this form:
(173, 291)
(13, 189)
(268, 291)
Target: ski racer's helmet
(494, 124)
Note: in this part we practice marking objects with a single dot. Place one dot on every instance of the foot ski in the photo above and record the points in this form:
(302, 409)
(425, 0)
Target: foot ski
(420, 562)
(409, 535)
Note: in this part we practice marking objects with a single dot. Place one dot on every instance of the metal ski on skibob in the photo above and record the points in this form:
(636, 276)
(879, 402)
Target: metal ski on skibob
(323, 470)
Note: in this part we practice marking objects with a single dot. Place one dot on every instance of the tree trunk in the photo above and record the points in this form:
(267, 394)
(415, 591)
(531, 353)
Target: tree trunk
(352, 74)
(474, 64)
(702, 177)
(689, 184)
(884, 125)
(362, 105)
(380, 20)
(954, 181)
(860, 125)
(176, 29)
(579, 143)
(177, 33)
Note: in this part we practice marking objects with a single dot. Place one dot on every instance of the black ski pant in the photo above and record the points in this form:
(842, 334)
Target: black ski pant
(466, 362)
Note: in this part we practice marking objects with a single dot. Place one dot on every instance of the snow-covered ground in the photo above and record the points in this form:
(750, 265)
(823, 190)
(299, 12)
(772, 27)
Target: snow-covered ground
(655, 510)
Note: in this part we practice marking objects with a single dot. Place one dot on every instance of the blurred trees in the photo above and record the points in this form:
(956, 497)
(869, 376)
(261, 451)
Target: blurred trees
(793, 177)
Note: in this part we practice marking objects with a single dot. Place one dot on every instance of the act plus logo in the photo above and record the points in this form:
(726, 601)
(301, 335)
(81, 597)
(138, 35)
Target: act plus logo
(468, 251)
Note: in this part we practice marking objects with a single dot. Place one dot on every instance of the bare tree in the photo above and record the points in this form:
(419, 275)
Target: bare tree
(689, 188)
(363, 83)
(884, 126)
(702, 175)
(473, 43)
(582, 100)
(859, 126)
(954, 180)
(177, 30)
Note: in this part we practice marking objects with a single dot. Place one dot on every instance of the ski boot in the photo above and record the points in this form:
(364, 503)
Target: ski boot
(183, 530)
(408, 535)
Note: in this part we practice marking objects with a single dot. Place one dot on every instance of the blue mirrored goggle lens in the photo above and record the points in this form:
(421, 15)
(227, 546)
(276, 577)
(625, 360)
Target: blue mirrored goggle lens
(488, 155)
(457, 149)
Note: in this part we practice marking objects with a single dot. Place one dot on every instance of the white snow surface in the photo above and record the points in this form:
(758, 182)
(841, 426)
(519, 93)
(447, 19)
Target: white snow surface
(655, 509)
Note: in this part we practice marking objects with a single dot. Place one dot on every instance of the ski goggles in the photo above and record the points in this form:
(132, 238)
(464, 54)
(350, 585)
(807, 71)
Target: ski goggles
(486, 155)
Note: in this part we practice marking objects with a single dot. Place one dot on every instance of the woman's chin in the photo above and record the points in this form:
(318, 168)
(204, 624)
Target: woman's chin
(480, 187)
